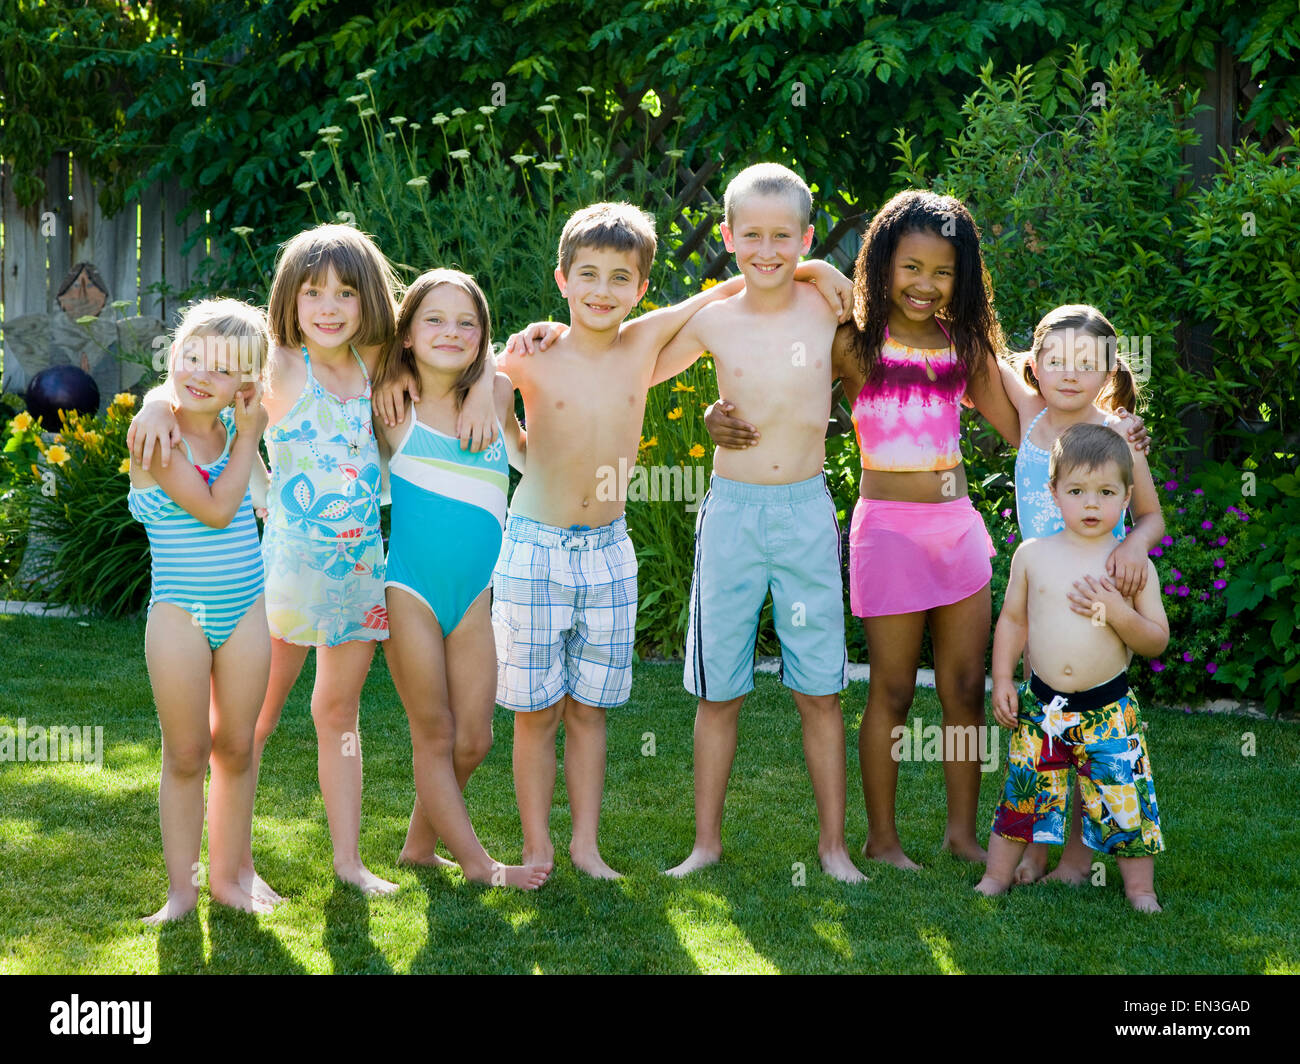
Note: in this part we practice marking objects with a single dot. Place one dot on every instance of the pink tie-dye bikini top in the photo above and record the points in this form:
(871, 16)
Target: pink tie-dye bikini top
(908, 417)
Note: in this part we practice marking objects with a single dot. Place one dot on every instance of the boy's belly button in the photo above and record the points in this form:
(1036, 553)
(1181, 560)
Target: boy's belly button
(1064, 669)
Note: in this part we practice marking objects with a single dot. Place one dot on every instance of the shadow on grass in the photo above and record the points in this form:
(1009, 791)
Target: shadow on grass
(180, 947)
(242, 946)
(347, 933)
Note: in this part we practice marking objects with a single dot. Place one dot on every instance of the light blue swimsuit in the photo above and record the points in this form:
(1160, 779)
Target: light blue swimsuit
(449, 507)
(1036, 510)
(215, 574)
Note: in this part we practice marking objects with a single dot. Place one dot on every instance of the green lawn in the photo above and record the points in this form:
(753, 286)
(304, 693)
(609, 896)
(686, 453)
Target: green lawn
(81, 858)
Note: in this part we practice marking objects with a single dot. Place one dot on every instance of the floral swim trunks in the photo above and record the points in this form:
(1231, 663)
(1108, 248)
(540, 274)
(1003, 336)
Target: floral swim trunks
(1099, 733)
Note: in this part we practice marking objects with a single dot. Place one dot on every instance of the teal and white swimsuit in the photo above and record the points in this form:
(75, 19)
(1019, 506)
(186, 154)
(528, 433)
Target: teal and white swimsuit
(214, 574)
(449, 506)
(1036, 510)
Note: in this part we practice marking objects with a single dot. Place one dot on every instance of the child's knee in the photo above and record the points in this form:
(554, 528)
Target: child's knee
(234, 752)
(331, 714)
(188, 758)
(892, 700)
(473, 745)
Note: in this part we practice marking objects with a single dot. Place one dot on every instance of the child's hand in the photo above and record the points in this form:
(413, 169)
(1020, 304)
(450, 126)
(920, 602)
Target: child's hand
(154, 426)
(1127, 566)
(729, 431)
(1135, 430)
(536, 337)
(389, 402)
(1090, 591)
(476, 425)
(250, 414)
(1006, 703)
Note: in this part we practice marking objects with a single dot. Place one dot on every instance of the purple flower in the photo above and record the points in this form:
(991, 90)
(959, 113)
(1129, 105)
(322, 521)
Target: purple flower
(1225, 646)
(1211, 667)
(1170, 589)
(1157, 666)
(1167, 541)
(1222, 541)
(1191, 540)
(1244, 517)
(1181, 510)
(1219, 585)
(1011, 538)
(1183, 590)
(1207, 525)
(1219, 563)
(1006, 513)
(1198, 491)
(1170, 485)
(1204, 596)
(1175, 574)
(1187, 655)
(1233, 510)
(1156, 552)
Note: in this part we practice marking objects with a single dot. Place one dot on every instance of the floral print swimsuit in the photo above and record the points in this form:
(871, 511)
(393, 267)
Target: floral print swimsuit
(322, 547)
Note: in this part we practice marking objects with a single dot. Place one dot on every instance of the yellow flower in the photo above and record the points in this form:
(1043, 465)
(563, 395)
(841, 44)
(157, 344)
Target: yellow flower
(125, 467)
(649, 305)
(645, 444)
(709, 283)
(90, 439)
(21, 423)
(680, 387)
(125, 399)
(58, 436)
(57, 455)
(674, 413)
(696, 451)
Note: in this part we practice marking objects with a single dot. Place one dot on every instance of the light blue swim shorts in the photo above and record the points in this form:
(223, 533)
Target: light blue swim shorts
(751, 539)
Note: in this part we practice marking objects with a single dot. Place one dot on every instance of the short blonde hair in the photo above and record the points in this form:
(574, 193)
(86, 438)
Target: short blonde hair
(358, 263)
(613, 226)
(1089, 447)
(232, 321)
(768, 179)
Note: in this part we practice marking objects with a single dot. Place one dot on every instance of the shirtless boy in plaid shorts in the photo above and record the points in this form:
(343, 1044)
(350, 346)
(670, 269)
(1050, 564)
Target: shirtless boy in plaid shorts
(564, 591)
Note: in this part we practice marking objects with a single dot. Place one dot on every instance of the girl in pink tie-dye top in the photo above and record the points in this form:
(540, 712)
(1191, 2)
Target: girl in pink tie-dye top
(924, 339)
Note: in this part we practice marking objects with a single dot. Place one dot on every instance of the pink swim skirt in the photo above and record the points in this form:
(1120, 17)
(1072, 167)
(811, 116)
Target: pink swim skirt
(908, 557)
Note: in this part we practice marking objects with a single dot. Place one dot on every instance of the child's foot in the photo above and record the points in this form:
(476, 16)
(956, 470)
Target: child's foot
(837, 864)
(1068, 872)
(968, 850)
(893, 855)
(522, 877)
(990, 887)
(700, 857)
(177, 905)
(360, 876)
(1032, 865)
(253, 884)
(539, 857)
(431, 859)
(235, 897)
(592, 863)
(1145, 903)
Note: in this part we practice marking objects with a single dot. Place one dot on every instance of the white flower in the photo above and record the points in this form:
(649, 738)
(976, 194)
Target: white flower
(580, 118)
(586, 90)
(674, 153)
(552, 167)
(397, 120)
(418, 182)
(307, 154)
(552, 98)
(390, 136)
(598, 174)
(415, 126)
(241, 230)
(479, 127)
(306, 185)
(486, 109)
(547, 109)
(357, 98)
(368, 112)
(460, 153)
(457, 112)
(519, 160)
(366, 74)
(330, 131)
(440, 119)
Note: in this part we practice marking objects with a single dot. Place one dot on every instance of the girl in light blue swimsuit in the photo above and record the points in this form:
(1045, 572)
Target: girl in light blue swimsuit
(1074, 374)
(206, 641)
(449, 507)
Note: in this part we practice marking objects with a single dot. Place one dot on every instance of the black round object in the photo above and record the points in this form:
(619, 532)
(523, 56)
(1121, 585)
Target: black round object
(61, 388)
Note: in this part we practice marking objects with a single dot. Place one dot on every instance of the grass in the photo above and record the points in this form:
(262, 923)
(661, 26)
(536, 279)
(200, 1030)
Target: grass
(81, 857)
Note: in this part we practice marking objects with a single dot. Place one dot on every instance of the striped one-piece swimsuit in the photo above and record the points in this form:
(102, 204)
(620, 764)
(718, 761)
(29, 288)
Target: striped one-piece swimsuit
(214, 574)
(449, 507)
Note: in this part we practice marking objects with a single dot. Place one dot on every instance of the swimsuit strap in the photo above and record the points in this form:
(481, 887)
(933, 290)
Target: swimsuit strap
(365, 393)
(1037, 418)
(947, 335)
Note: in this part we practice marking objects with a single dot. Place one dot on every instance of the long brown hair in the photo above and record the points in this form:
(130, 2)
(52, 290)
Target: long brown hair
(970, 317)
(398, 357)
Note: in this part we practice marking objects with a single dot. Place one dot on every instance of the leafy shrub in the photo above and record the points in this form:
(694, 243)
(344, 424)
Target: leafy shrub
(86, 548)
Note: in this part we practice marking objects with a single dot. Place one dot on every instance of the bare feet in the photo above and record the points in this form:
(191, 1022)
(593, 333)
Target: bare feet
(990, 887)
(541, 857)
(1068, 872)
(253, 884)
(893, 855)
(235, 897)
(1032, 865)
(360, 876)
(592, 863)
(1145, 903)
(177, 905)
(425, 860)
(700, 857)
(966, 851)
(837, 864)
(523, 877)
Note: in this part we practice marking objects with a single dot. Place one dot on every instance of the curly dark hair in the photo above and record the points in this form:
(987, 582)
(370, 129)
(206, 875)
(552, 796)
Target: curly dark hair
(969, 317)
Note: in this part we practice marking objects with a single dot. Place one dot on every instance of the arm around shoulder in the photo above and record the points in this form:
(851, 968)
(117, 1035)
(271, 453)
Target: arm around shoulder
(516, 440)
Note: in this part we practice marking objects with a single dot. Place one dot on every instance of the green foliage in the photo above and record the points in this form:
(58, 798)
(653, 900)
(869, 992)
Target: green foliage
(86, 549)
(1242, 274)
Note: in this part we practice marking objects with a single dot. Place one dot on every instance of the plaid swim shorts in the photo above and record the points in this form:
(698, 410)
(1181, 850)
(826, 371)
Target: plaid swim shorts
(564, 614)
